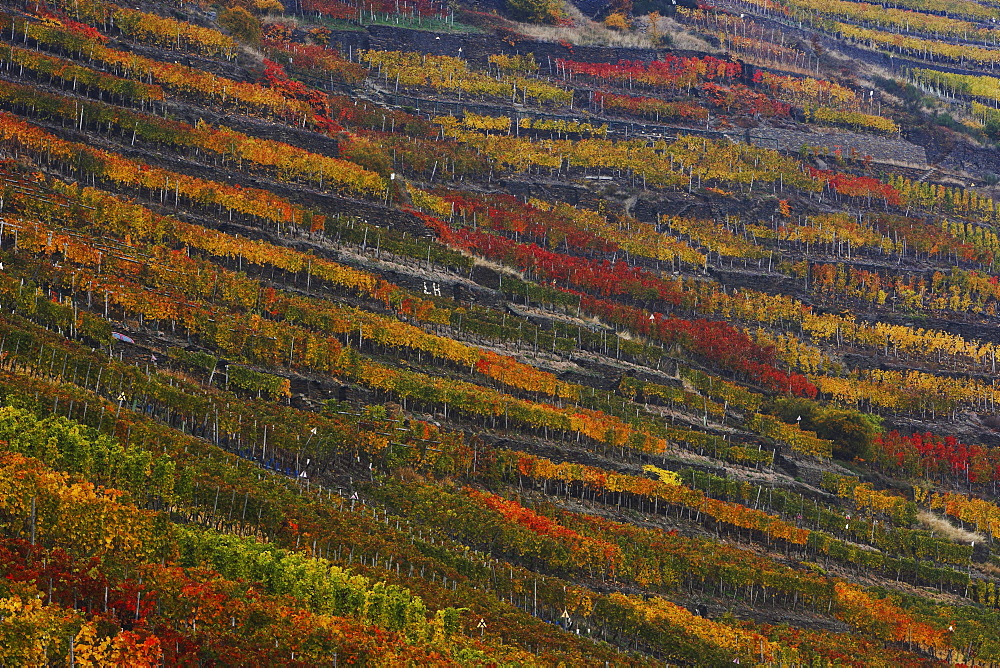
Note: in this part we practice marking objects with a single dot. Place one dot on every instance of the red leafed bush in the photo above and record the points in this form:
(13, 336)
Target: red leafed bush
(671, 72)
(738, 98)
(857, 186)
(276, 77)
(932, 455)
(332, 8)
(651, 107)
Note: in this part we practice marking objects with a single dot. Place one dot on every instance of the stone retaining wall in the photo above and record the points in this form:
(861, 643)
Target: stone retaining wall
(886, 150)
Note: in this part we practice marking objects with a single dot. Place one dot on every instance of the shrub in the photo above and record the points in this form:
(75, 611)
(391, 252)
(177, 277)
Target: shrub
(535, 11)
(616, 21)
(241, 24)
(851, 431)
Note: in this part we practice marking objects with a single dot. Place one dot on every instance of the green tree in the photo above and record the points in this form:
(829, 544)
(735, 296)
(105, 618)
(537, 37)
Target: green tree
(241, 24)
(851, 431)
(535, 11)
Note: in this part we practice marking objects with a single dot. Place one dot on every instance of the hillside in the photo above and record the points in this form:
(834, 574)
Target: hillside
(511, 333)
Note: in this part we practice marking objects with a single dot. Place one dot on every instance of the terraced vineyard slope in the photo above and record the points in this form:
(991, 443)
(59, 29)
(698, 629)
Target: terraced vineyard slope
(429, 334)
